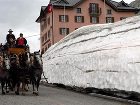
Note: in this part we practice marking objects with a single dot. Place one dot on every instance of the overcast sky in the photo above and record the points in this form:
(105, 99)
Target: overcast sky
(20, 16)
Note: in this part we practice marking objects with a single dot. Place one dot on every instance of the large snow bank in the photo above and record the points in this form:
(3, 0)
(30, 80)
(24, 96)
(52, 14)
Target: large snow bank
(100, 56)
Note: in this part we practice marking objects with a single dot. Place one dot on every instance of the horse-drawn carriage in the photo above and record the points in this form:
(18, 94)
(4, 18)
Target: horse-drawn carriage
(16, 51)
(19, 66)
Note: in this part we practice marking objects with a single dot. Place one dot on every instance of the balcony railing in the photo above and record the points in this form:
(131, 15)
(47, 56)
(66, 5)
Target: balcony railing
(94, 12)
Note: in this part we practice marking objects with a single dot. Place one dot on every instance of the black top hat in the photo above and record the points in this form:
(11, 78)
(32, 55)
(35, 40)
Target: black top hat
(10, 30)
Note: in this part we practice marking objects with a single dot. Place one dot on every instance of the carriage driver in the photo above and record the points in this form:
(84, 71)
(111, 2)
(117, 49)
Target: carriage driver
(10, 38)
(21, 42)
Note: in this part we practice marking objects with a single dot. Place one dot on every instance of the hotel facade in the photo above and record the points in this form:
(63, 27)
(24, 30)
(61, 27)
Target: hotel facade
(61, 17)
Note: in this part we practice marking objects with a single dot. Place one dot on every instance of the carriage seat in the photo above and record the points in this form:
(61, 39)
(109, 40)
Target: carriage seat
(16, 51)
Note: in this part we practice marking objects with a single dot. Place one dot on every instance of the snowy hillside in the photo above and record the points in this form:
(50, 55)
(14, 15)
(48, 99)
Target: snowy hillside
(100, 56)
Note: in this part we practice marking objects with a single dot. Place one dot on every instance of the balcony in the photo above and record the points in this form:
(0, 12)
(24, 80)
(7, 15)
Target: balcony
(94, 12)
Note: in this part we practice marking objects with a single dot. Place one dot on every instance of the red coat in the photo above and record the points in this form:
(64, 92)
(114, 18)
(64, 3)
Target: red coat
(21, 41)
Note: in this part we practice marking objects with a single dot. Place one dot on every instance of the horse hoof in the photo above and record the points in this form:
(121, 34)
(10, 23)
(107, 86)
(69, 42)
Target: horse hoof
(23, 94)
(35, 93)
(26, 89)
(11, 89)
(17, 93)
(7, 91)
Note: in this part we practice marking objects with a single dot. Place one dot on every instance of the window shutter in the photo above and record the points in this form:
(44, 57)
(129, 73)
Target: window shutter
(106, 20)
(67, 18)
(97, 8)
(60, 32)
(112, 19)
(75, 19)
(59, 18)
(100, 10)
(83, 19)
(97, 19)
(90, 19)
(67, 30)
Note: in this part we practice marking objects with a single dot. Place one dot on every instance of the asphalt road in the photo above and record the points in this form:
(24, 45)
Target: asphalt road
(55, 96)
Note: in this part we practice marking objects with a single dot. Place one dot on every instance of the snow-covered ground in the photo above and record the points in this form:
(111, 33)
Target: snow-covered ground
(100, 56)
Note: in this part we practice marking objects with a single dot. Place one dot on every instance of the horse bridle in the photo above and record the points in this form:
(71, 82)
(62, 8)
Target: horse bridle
(38, 58)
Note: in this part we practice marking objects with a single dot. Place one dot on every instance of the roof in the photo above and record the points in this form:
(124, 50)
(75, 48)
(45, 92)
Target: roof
(41, 12)
(69, 3)
(120, 6)
(43, 7)
(117, 6)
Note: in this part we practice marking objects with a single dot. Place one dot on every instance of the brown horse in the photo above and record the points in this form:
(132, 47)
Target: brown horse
(20, 73)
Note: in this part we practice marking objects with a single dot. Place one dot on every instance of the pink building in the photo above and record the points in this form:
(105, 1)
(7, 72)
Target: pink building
(61, 17)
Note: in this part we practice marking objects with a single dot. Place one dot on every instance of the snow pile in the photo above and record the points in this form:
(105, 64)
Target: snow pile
(100, 56)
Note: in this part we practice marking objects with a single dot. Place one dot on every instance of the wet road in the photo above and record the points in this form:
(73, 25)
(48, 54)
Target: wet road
(55, 96)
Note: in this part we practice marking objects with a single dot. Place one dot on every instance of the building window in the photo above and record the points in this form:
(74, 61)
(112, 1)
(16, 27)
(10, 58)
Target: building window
(48, 20)
(79, 19)
(42, 39)
(42, 26)
(109, 12)
(94, 8)
(78, 10)
(94, 19)
(45, 36)
(49, 34)
(49, 45)
(121, 18)
(64, 31)
(63, 18)
(42, 51)
(45, 23)
(109, 19)
(46, 48)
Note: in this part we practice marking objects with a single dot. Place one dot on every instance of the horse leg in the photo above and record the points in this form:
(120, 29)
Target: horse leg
(38, 82)
(2, 86)
(23, 87)
(26, 84)
(26, 87)
(17, 90)
(7, 87)
(37, 86)
(34, 87)
(11, 86)
(14, 85)
(33, 84)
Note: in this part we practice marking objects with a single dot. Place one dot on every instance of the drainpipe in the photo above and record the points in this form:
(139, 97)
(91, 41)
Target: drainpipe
(52, 26)
(65, 19)
(105, 10)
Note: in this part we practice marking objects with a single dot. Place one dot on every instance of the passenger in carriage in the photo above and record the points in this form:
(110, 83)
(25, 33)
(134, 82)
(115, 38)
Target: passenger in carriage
(21, 42)
(10, 39)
